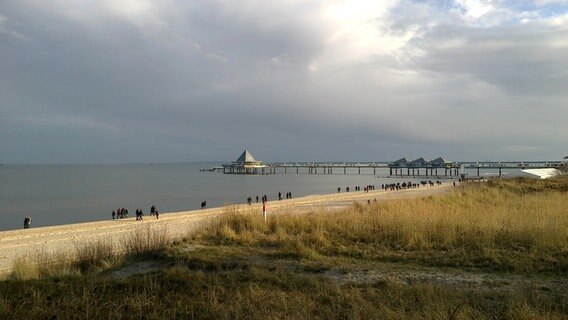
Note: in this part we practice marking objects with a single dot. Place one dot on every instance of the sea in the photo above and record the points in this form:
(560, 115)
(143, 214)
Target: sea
(66, 194)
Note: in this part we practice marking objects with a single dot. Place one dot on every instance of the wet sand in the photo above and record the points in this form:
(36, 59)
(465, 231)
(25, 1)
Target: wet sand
(66, 238)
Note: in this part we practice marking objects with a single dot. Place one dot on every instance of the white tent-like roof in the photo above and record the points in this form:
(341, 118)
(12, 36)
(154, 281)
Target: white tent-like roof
(419, 162)
(400, 162)
(440, 162)
(246, 156)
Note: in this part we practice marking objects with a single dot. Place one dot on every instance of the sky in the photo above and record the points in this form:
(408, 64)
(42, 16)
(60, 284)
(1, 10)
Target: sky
(130, 81)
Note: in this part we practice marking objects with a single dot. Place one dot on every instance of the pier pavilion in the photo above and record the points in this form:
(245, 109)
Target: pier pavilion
(245, 164)
(403, 167)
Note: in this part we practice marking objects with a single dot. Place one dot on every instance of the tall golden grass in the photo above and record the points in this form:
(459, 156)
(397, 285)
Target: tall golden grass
(145, 240)
(517, 225)
(98, 255)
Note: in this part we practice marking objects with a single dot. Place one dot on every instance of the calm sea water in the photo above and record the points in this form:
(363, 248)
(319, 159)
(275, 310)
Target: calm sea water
(63, 194)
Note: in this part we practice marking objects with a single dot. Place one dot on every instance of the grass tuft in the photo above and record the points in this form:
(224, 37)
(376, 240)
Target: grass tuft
(145, 240)
(96, 255)
(25, 269)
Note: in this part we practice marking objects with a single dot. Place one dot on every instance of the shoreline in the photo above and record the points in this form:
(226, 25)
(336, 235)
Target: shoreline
(49, 240)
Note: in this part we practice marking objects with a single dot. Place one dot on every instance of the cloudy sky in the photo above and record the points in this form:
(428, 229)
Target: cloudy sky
(111, 81)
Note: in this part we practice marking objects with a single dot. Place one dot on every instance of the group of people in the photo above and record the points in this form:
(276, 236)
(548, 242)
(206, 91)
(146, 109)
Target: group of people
(394, 186)
(264, 198)
(367, 188)
(122, 213)
(409, 184)
(288, 195)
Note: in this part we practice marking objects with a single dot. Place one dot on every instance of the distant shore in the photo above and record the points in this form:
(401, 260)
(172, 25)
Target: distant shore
(51, 240)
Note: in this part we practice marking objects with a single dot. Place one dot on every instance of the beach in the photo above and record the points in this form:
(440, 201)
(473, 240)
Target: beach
(59, 240)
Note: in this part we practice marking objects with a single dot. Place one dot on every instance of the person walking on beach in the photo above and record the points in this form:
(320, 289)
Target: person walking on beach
(139, 214)
(157, 214)
(113, 215)
(27, 222)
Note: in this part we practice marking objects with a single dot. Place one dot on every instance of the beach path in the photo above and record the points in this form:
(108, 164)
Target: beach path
(56, 240)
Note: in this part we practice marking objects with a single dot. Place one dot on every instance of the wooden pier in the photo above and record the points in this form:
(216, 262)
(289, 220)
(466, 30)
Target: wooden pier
(326, 167)
(246, 164)
(409, 169)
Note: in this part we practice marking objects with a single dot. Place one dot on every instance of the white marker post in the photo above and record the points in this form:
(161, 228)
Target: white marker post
(264, 210)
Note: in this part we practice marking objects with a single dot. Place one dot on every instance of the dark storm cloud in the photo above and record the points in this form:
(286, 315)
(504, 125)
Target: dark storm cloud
(133, 81)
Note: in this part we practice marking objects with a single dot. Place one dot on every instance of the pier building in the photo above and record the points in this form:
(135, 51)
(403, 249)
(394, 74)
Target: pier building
(245, 164)
(403, 166)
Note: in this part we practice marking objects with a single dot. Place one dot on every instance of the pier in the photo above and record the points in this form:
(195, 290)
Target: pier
(400, 168)
(439, 167)
(326, 167)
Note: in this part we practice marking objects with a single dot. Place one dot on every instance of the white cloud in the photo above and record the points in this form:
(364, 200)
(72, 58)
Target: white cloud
(475, 9)
(358, 32)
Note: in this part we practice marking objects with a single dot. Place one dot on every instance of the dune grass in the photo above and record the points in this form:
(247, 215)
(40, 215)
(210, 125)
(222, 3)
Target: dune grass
(518, 225)
(182, 293)
(145, 240)
(96, 256)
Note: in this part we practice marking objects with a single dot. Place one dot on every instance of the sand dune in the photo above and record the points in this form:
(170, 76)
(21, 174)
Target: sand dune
(66, 238)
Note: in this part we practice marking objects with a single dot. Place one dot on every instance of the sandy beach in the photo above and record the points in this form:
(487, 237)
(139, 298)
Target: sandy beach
(66, 238)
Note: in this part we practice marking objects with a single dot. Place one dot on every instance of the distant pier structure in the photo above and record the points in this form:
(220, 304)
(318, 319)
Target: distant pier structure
(245, 164)
(439, 167)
